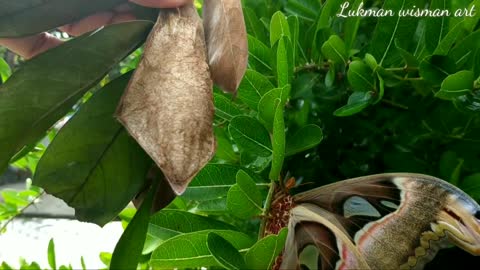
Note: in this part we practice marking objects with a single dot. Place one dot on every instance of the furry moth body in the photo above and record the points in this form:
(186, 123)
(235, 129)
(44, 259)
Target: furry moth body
(386, 221)
(168, 105)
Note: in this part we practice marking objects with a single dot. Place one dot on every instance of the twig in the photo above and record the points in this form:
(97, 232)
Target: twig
(21, 211)
(268, 203)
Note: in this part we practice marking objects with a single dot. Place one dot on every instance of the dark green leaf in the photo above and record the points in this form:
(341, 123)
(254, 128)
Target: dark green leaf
(254, 26)
(168, 223)
(449, 40)
(471, 185)
(244, 199)
(465, 51)
(305, 138)
(225, 150)
(190, 250)
(263, 254)
(436, 68)
(356, 103)
(278, 28)
(92, 164)
(129, 248)
(436, 27)
(360, 76)
(305, 9)
(390, 28)
(51, 255)
(260, 56)
(351, 26)
(26, 17)
(278, 143)
(371, 61)
(294, 26)
(328, 10)
(47, 87)
(225, 108)
(224, 253)
(455, 85)
(410, 60)
(253, 86)
(469, 103)
(250, 135)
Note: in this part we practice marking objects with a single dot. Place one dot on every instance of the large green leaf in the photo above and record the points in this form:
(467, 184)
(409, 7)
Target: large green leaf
(253, 86)
(213, 182)
(390, 28)
(190, 250)
(92, 164)
(5, 70)
(128, 250)
(436, 27)
(26, 17)
(250, 135)
(305, 138)
(278, 143)
(284, 62)
(224, 253)
(269, 102)
(334, 49)
(225, 109)
(260, 56)
(254, 25)
(262, 255)
(168, 223)
(45, 88)
(244, 199)
(360, 76)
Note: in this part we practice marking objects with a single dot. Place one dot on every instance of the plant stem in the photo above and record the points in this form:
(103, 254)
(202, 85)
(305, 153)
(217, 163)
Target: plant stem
(266, 209)
(21, 211)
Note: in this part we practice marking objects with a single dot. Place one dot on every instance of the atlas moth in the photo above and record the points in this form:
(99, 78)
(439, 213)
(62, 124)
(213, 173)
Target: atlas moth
(384, 221)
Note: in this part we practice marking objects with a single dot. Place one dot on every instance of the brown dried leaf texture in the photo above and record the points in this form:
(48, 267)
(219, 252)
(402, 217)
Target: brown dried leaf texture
(226, 37)
(168, 105)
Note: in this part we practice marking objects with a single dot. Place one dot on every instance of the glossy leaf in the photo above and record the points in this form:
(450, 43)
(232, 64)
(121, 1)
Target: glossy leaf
(250, 135)
(45, 88)
(224, 253)
(92, 164)
(254, 85)
(263, 254)
(190, 250)
(169, 223)
(351, 26)
(244, 199)
(455, 85)
(284, 62)
(128, 250)
(305, 138)
(328, 10)
(26, 17)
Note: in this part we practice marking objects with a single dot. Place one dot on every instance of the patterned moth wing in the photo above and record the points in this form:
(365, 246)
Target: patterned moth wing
(385, 221)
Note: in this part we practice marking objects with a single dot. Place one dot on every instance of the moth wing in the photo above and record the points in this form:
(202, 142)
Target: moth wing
(394, 220)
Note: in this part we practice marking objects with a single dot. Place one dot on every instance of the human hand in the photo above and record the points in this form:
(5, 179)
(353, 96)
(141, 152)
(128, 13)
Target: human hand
(31, 46)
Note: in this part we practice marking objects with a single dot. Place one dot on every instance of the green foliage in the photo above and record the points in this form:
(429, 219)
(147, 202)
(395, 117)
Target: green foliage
(324, 98)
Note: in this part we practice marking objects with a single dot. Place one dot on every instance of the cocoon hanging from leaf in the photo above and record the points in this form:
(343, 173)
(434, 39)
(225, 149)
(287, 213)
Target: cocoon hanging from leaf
(226, 37)
(168, 104)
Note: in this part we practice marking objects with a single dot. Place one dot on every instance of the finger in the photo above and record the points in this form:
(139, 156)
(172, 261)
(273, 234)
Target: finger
(88, 24)
(31, 46)
(161, 3)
